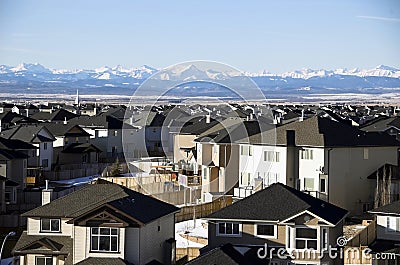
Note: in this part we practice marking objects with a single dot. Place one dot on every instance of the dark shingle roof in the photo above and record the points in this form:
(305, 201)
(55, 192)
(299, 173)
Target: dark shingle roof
(77, 148)
(15, 144)
(139, 206)
(66, 129)
(28, 133)
(103, 261)
(229, 254)
(31, 244)
(277, 203)
(389, 209)
(318, 131)
(7, 154)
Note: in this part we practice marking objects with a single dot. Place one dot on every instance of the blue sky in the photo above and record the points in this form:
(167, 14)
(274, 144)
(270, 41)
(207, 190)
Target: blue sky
(276, 35)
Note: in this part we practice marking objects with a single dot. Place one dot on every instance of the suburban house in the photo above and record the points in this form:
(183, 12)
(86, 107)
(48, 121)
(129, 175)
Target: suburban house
(38, 136)
(387, 237)
(13, 164)
(99, 224)
(72, 145)
(278, 217)
(218, 155)
(322, 157)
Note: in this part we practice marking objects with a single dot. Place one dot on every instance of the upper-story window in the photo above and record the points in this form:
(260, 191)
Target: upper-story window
(306, 238)
(229, 229)
(44, 146)
(271, 156)
(50, 225)
(104, 239)
(266, 230)
(307, 154)
(42, 260)
(246, 150)
(393, 224)
(115, 133)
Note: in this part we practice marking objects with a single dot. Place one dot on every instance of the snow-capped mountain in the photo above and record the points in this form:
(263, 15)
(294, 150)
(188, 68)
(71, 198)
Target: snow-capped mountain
(35, 78)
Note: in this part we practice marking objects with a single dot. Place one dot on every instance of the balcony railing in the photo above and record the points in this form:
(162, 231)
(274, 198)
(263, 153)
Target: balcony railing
(243, 192)
(317, 194)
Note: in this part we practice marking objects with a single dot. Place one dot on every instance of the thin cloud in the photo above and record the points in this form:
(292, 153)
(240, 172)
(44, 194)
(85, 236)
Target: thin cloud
(388, 19)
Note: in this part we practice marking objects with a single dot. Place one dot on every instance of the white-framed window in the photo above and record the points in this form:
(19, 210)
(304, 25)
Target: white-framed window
(104, 239)
(266, 230)
(229, 229)
(250, 151)
(43, 260)
(309, 184)
(306, 238)
(50, 225)
(271, 156)
(393, 224)
(307, 154)
(246, 150)
(44, 146)
(115, 133)
(271, 178)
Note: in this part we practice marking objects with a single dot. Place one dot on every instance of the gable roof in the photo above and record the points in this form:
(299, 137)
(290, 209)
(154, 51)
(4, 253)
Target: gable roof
(77, 148)
(279, 202)
(28, 133)
(57, 115)
(141, 207)
(15, 144)
(31, 244)
(389, 209)
(8, 154)
(229, 254)
(68, 129)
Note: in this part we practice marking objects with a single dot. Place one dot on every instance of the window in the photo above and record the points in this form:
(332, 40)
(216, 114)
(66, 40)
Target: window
(393, 224)
(66, 140)
(104, 239)
(44, 261)
(307, 154)
(250, 151)
(205, 171)
(76, 139)
(271, 156)
(272, 177)
(323, 185)
(366, 153)
(309, 184)
(45, 163)
(115, 133)
(244, 150)
(325, 238)
(10, 195)
(50, 225)
(266, 230)
(228, 229)
(84, 158)
(306, 238)
(114, 149)
(45, 146)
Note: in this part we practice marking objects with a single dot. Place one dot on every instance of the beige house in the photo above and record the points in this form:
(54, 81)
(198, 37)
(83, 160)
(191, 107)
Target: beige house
(279, 217)
(99, 224)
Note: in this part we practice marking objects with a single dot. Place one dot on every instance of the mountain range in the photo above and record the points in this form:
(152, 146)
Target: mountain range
(34, 78)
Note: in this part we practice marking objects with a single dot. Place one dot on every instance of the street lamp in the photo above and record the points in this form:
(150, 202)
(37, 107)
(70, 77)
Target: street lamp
(12, 233)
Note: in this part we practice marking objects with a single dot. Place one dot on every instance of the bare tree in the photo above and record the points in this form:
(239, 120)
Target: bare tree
(376, 201)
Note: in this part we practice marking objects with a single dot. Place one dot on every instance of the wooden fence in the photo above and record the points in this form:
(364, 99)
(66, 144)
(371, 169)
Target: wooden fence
(202, 210)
